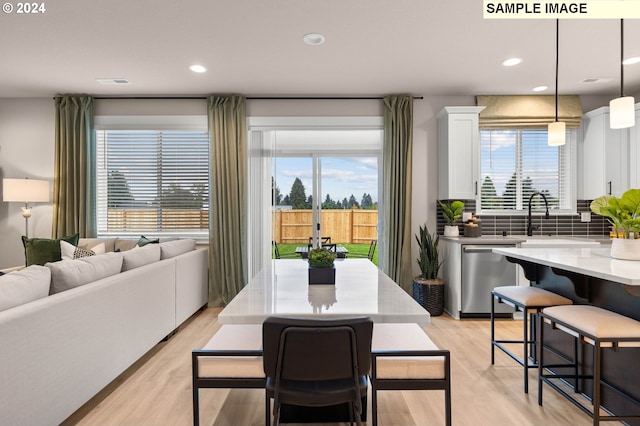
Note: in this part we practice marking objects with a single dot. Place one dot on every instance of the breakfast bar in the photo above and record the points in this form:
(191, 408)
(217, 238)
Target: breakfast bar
(590, 276)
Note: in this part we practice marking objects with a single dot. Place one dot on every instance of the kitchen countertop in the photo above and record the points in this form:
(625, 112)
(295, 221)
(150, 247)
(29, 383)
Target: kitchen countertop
(541, 241)
(594, 262)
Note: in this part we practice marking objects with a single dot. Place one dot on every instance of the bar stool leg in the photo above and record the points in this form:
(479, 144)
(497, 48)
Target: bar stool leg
(525, 359)
(597, 360)
(540, 357)
(493, 337)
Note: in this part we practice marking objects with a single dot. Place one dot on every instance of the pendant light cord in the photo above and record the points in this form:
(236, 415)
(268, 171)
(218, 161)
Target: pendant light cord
(621, 58)
(557, 62)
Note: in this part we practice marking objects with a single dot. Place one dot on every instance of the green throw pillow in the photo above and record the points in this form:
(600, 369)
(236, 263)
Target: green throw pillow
(39, 251)
(143, 241)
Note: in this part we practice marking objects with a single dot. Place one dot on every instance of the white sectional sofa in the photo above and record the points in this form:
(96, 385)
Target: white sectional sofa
(58, 351)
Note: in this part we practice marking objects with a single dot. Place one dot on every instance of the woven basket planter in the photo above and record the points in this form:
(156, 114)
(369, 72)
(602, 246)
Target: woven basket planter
(430, 295)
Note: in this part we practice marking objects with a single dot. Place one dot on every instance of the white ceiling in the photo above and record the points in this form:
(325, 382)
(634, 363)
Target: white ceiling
(254, 47)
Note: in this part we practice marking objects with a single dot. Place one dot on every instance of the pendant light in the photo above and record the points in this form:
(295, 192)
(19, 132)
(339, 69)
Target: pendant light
(621, 110)
(556, 132)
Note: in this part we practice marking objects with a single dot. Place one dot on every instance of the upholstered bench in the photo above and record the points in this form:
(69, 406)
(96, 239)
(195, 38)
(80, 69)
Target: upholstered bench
(530, 301)
(231, 359)
(594, 326)
(405, 358)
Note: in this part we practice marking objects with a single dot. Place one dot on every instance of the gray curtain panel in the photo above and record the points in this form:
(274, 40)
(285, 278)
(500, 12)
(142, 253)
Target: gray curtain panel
(396, 195)
(228, 198)
(74, 189)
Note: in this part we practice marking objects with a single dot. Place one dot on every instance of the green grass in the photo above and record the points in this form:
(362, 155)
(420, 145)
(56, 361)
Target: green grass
(289, 250)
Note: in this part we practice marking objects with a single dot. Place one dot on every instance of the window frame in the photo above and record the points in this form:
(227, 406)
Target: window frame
(146, 123)
(521, 208)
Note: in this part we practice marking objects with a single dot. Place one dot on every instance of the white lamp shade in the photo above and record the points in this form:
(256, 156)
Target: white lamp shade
(25, 190)
(556, 133)
(622, 113)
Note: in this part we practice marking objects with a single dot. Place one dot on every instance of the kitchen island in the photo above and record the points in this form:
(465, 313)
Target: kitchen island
(590, 276)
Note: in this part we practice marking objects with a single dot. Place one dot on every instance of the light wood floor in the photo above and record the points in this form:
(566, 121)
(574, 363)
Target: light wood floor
(157, 389)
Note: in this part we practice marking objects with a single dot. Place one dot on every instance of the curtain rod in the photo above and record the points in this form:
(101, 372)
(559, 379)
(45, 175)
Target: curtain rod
(331, 98)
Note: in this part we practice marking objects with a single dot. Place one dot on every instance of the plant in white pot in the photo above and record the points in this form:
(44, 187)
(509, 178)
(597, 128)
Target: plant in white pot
(624, 216)
(452, 213)
(428, 288)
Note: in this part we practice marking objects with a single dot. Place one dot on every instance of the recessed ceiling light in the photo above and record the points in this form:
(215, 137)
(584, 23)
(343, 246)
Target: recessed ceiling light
(511, 62)
(631, 61)
(540, 88)
(197, 68)
(313, 39)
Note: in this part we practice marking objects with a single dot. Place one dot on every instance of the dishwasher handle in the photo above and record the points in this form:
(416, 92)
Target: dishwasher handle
(484, 248)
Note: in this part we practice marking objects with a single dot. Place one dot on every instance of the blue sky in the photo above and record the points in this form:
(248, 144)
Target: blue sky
(341, 176)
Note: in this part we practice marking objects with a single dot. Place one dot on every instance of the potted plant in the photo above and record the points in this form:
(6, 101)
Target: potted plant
(428, 288)
(451, 213)
(321, 267)
(624, 216)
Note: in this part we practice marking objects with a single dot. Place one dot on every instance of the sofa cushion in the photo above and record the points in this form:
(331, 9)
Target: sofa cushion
(125, 244)
(175, 248)
(39, 251)
(90, 243)
(68, 274)
(70, 252)
(23, 286)
(140, 256)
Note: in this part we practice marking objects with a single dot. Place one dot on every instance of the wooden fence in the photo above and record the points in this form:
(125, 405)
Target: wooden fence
(151, 219)
(343, 226)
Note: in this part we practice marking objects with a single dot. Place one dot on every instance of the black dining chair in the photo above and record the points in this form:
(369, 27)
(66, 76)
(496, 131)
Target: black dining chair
(316, 363)
(278, 255)
(370, 253)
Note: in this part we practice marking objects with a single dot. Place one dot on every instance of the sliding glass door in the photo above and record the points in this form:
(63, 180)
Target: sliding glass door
(313, 181)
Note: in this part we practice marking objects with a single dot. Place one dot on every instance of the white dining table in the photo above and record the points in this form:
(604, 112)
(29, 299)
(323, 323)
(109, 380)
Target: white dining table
(361, 289)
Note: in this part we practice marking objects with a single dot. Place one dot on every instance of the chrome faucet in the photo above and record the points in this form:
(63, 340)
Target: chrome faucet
(546, 215)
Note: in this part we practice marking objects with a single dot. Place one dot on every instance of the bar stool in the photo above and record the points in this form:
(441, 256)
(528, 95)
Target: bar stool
(529, 300)
(599, 328)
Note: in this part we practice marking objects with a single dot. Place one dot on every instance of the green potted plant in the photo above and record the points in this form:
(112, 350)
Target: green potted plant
(452, 213)
(321, 266)
(624, 216)
(428, 288)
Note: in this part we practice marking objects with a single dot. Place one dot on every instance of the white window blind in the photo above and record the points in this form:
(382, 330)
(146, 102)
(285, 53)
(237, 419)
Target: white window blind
(152, 182)
(517, 163)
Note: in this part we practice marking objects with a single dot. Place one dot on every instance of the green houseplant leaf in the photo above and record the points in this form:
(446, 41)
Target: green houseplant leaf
(428, 259)
(452, 212)
(321, 258)
(622, 213)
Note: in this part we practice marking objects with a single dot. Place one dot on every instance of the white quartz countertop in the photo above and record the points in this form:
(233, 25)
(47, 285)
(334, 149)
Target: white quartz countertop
(361, 289)
(594, 262)
(540, 241)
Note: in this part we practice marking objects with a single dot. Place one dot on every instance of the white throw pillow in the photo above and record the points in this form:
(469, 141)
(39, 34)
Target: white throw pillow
(176, 247)
(23, 286)
(140, 256)
(68, 274)
(70, 252)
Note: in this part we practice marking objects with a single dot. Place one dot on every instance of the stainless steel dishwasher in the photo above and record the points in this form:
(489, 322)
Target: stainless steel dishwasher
(482, 270)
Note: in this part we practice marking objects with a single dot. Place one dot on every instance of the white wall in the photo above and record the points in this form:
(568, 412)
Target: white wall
(27, 142)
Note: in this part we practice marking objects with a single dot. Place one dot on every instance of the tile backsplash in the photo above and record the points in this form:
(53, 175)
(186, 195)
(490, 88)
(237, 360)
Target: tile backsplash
(517, 224)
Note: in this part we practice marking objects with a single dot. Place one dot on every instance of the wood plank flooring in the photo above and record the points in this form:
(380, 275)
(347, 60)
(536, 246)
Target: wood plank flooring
(156, 390)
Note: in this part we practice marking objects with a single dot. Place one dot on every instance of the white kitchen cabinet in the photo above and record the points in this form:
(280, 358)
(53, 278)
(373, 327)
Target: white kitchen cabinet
(606, 156)
(458, 153)
(634, 149)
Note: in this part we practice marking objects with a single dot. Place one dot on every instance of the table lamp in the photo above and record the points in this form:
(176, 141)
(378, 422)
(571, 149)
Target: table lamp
(25, 191)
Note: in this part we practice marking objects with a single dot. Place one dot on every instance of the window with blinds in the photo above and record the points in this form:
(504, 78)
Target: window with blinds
(514, 164)
(152, 182)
